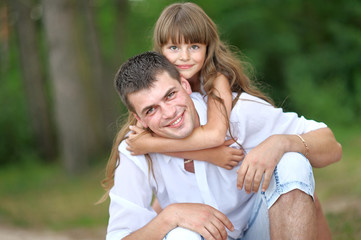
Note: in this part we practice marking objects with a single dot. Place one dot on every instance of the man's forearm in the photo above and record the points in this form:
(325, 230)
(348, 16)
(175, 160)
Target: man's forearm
(320, 146)
(200, 218)
(155, 229)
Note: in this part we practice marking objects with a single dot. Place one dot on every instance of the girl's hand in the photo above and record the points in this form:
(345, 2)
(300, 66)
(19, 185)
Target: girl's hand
(138, 141)
(225, 156)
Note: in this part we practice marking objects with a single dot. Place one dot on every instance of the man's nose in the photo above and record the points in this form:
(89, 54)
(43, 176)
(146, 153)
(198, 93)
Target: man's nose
(169, 111)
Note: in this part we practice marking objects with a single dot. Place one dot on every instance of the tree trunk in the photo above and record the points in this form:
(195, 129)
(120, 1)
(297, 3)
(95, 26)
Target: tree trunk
(33, 77)
(76, 105)
(103, 73)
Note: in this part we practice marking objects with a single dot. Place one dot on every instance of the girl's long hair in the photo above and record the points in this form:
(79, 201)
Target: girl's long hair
(113, 160)
(189, 23)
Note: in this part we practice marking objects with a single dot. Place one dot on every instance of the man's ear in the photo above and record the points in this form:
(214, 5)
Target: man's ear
(140, 121)
(185, 84)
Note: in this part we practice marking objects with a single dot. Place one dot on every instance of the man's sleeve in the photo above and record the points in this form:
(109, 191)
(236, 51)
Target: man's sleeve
(130, 198)
(257, 120)
(200, 103)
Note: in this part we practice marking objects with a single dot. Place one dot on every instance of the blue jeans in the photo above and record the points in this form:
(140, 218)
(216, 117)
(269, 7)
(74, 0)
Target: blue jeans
(292, 172)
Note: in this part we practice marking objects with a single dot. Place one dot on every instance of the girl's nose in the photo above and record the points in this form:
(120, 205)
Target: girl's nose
(184, 55)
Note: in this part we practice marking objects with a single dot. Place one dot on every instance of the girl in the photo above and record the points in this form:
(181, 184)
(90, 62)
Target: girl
(189, 39)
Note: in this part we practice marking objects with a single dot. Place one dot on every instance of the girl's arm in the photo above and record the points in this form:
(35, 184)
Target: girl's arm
(222, 156)
(210, 135)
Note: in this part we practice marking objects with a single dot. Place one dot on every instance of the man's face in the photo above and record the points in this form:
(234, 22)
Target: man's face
(166, 108)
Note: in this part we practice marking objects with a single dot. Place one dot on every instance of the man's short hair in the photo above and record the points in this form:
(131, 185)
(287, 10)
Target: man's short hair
(140, 72)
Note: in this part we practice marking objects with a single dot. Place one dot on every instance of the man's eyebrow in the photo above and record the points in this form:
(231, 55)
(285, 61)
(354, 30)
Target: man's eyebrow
(146, 108)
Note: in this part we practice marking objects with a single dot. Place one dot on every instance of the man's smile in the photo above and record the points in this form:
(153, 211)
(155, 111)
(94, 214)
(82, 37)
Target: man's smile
(177, 122)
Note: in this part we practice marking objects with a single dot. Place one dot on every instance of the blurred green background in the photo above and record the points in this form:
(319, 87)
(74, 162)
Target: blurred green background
(59, 111)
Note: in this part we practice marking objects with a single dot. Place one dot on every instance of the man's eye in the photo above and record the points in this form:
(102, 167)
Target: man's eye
(149, 111)
(170, 95)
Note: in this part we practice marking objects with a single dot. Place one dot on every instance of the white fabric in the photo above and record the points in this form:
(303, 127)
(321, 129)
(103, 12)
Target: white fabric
(252, 121)
(180, 233)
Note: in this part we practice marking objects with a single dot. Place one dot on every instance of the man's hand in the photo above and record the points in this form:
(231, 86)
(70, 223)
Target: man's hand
(201, 218)
(260, 161)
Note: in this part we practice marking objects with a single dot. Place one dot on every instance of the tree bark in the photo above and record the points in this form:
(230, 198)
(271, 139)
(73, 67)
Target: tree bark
(76, 103)
(33, 78)
(103, 72)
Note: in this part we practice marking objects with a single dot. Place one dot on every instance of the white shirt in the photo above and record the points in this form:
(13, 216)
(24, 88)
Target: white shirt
(252, 121)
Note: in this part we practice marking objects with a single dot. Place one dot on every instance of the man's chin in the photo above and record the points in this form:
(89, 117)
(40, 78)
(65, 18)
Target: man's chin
(176, 134)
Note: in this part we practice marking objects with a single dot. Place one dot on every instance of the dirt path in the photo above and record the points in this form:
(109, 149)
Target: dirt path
(13, 233)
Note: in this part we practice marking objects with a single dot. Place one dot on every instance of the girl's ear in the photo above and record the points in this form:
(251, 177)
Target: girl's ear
(140, 121)
(185, 84)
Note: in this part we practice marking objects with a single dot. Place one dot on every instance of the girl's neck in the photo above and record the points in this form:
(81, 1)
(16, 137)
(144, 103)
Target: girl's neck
(195, 83)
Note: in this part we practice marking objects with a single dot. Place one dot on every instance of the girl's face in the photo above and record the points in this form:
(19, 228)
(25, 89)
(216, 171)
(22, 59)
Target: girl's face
(188, 58)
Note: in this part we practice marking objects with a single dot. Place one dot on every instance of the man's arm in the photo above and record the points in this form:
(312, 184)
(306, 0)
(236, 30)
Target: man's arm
(200, 218)
(323, 149)
(320, 146)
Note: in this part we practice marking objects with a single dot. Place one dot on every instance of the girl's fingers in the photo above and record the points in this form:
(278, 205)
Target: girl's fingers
(139, 124)
(135, 129)
(228, 142)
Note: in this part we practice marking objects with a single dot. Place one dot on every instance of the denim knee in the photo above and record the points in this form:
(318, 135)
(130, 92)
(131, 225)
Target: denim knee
(293, 171)
(180, 233)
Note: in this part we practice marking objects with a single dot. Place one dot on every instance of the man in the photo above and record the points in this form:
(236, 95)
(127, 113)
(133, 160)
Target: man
(205, 203)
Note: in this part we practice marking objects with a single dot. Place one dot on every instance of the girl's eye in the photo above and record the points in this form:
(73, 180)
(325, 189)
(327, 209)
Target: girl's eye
(173, 48)
(194, 47)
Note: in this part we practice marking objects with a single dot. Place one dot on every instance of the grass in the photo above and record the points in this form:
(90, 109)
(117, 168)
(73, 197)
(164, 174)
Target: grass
(43, 196)
(339, 189)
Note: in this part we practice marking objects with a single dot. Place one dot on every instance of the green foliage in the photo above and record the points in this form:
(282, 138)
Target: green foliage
(16, 134)
(308, 52)
(305, 50)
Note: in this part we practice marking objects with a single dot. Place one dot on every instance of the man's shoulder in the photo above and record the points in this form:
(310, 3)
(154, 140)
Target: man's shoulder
(124, 155)
(246, 97)
(139, 160)
(200, 105)
(197, 97)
